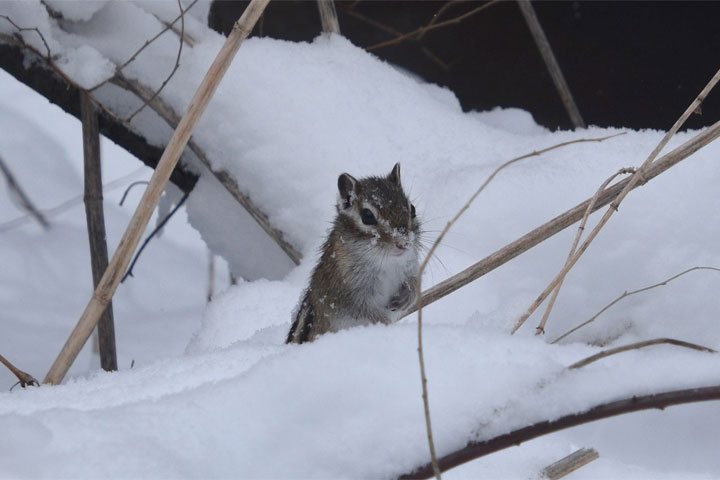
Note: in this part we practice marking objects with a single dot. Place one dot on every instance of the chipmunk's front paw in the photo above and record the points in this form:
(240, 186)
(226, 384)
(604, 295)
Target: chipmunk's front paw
(403, 299)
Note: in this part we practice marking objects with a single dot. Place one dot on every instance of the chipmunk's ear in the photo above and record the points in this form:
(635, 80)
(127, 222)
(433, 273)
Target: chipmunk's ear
(394, 176)
(347, 188)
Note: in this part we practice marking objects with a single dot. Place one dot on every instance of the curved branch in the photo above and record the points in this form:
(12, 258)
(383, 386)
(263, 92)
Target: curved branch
(475, 450)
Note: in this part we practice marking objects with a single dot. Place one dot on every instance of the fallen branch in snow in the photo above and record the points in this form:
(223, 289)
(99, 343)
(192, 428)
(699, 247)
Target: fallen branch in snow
(569, 464)
(578, 235)
(477, 449)
(627, 294)
(639, 177)
(167, 113)
(429, 255)
(22, 198)
(24, 379)
(110, 280)
(636, 346)
(564, 220)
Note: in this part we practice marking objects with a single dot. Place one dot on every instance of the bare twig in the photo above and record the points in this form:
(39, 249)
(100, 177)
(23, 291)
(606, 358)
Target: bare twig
(152, 234)
(168, 26)
(562, 221)
(23, 199)
(638, 345)
(433, 26)
(627, 294)
(110, 280)
(569, 464)
(578, 235)
(29, 29)
(640, 175)
(175, 67)
(551, 62)
(439, 14)
(23, 378)
(430, 253)
(480, 448)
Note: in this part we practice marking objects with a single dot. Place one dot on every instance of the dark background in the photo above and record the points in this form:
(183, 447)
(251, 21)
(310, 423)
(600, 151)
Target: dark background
(629, 64)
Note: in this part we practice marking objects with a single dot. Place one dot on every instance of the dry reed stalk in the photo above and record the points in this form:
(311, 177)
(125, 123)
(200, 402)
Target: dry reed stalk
(627, 294)
(636, 346)
(639, 176)
(562, 221)
(429, 255)
(110, 280)
(623, 171)
(569, 464)
(551, 62)
(328, 16)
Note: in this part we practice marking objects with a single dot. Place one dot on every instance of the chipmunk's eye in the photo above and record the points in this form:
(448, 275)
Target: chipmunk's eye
(412, 211)
(367, 217)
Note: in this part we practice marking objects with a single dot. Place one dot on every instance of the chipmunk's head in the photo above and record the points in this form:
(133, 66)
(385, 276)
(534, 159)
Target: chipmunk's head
(377, 211)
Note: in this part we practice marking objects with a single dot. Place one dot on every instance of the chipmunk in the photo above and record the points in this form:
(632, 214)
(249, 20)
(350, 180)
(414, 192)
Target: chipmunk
(368, 269)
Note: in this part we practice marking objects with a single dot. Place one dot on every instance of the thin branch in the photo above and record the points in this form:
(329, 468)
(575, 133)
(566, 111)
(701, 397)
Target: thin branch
(168, 26)
(430, 253)
(23, 378)
(175, 67)
(635, 403)
(578, 235)
(562, 221)
(29, 29)
(130, 187)
(439, 14)
(627, 294)
(434, 26)
(636, 346)
(22, 197)
(639, 176)
(152, 234)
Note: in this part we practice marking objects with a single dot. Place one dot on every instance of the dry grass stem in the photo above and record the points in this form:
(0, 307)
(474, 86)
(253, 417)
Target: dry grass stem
(590, 208)
(627, 294)
(431, 252)
(22, 198)
(636, 346)
(569, 464)
(638, 177)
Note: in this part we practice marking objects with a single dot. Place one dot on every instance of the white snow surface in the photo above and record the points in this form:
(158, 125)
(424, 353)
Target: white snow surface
(214, 392)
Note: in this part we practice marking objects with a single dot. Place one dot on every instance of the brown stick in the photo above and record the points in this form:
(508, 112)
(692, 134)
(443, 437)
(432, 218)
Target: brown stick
(638, 345)
(627, 294)
(24, 378)
(328, 16)
(562, 221)
(551, 62)
(96, 227)
(477, 449)
(128, 243)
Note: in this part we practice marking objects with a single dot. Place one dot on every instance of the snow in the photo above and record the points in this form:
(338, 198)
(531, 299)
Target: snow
(213, 392)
